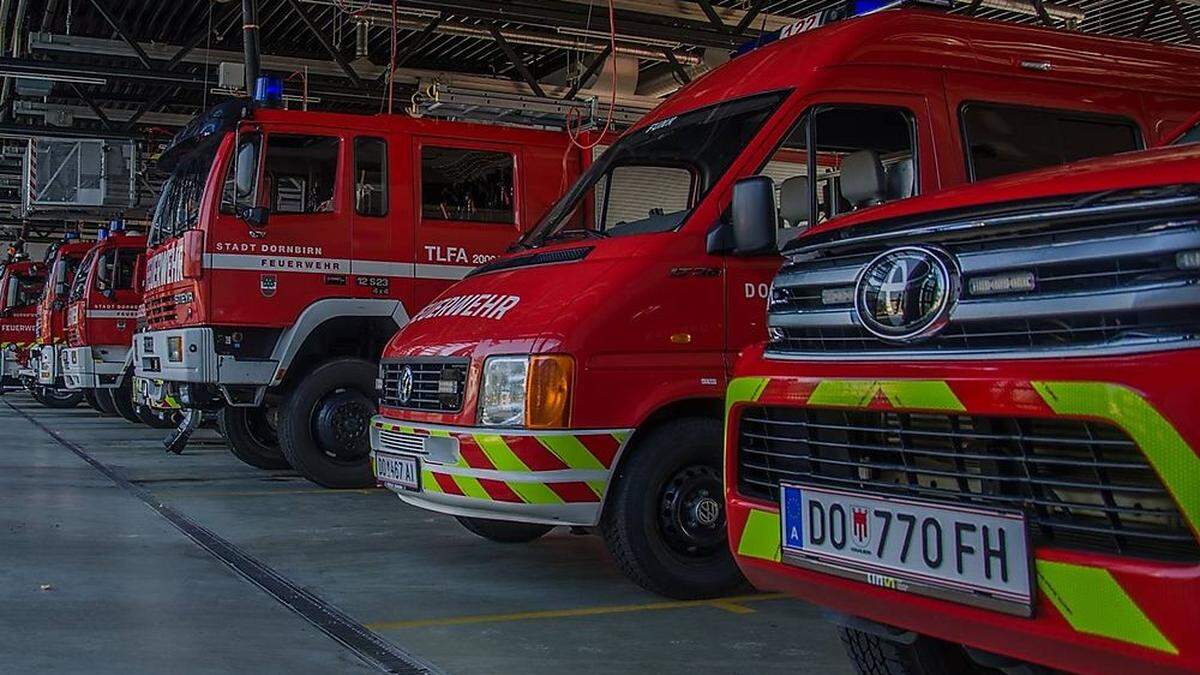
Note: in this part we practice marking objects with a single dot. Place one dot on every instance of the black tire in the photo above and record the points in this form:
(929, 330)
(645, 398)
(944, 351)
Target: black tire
(504, 531)
(57, 398)
(104, 402)
(876, 655)
(156, 419)
(664, 519)
(89, 396)
(122, 398)
(251, 438)
(324, 424)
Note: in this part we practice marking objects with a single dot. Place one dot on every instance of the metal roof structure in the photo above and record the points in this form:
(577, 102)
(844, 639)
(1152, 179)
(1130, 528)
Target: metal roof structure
(139, 69)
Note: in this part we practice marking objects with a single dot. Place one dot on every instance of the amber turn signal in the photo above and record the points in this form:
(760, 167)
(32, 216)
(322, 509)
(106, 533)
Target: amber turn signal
(548, 403)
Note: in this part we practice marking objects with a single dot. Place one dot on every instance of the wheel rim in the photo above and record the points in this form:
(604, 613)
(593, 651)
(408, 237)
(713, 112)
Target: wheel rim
(57, 394)
(691, 512)
(341, 422)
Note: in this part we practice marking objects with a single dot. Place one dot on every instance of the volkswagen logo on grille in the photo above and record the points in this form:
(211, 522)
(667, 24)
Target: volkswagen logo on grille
(405, 388)
(906, 294)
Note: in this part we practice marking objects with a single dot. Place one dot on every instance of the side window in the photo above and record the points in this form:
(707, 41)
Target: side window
(123, 274)
(1004, 139)
(634, 198)
(370, 177)
(467, 185)
(300, 173)
(841, 158)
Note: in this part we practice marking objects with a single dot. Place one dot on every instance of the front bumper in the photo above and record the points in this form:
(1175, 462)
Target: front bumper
(551, 477)
(10, 370)
(43, 362)
(99, 367)
(198, 360)
(1094, 613)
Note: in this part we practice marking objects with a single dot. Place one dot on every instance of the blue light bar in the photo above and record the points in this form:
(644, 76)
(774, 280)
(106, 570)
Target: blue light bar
(268, 91)
(849, 10)
(101, 233)
(116, 225)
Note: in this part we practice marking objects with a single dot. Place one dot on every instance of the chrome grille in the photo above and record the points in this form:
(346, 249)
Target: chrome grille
(438, 384)
(401, 442)
(1105, 276)
(1082, 485)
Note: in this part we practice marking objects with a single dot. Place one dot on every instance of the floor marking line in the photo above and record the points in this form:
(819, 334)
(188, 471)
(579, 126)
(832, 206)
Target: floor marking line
(732, 604)
(260, 493)
(359, 639)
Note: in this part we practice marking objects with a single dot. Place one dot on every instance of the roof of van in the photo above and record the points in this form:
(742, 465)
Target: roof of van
(1171, 165)
(922, 38)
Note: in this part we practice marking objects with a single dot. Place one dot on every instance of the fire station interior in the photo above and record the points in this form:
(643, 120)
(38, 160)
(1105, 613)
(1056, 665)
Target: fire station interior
(120, 555)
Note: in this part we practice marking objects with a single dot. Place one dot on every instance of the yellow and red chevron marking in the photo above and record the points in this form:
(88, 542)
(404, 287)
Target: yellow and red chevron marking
(1116, 604)
(526, 453)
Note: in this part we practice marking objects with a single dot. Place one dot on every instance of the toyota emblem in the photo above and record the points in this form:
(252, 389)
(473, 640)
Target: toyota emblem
(404, 391)
(906, 294)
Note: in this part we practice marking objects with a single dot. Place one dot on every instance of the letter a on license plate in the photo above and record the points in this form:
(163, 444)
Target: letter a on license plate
(953, 552)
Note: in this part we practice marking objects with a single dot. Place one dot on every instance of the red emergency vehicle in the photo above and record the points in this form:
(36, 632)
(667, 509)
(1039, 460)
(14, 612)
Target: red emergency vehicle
(581, 380)
(973, 432)
(45, 378)
(102, 310)
(21, 285)
(288, 246)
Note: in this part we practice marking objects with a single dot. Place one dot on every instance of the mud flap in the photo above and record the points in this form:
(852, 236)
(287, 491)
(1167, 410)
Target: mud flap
(187, 426)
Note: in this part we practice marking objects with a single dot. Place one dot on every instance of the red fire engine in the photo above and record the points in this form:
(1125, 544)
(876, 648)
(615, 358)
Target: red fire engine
(287, 248)
(44, 376)
(581, 380)
(102, 312)
(20, 287)
(972, 433)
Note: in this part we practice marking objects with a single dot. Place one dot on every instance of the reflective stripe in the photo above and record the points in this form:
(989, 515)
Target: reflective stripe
(744, 389)
(1174, 460)
(499, 453)
(572, 452)
(913, 394)
(760, 536)
(535, 493)
(428, 482)
(471, 487)
(1092, 601)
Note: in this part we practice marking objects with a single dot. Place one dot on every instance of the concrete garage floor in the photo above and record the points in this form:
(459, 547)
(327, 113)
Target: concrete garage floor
(93, 578)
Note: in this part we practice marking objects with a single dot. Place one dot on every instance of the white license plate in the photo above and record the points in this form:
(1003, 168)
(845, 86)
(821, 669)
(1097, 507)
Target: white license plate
(964, 554)
(399, 470)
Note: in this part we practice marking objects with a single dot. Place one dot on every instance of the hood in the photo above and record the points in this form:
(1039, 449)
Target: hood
(531, 308)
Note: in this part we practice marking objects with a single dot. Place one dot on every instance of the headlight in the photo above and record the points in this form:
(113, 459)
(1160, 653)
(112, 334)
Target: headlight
(527, 391)
(502, 394)
(175, 349)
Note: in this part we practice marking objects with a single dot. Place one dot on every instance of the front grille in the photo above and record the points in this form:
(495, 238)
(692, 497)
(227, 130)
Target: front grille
(401, 442)
(1082, 485)
(1104, 276)
(160, 309)
(438, 384)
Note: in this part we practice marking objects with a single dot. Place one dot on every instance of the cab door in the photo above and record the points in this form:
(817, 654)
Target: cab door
(468, 208)
(894, 132)
(115, 298)
(266, 275)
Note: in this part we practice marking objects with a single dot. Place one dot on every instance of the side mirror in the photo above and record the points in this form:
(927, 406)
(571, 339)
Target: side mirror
(256, 216)
(10, 295)
(754, 218)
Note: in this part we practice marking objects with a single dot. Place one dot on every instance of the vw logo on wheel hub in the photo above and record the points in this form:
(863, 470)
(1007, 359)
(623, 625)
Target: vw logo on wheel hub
(907, 294)
(405, 389)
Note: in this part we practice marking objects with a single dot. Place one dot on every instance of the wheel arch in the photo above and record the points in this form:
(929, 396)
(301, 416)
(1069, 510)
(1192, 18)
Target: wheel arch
(336, 327)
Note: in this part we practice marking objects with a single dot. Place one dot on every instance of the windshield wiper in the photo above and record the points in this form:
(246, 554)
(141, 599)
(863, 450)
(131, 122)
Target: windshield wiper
(585, 232)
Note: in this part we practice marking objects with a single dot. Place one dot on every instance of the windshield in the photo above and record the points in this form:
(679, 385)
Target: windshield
(178, 208)
(29, 289)
(1192, 135)
(650, 180)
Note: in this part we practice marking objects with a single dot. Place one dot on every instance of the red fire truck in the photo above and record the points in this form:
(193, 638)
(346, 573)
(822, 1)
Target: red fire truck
(44, 377)
(21, 286)
(581, 380)
(102, 311)
(973, 432)
(288, 246)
